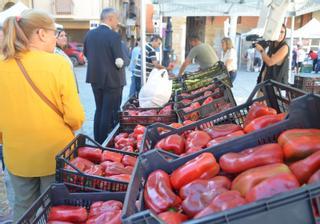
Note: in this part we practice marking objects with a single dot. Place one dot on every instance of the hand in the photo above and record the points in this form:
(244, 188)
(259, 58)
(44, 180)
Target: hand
(259, 48)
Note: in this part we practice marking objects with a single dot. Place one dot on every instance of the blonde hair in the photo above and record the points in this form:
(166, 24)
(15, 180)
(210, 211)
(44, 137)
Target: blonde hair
(228, 42)
(18, 31)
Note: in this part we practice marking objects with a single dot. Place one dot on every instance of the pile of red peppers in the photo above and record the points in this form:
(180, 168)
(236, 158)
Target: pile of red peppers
(205, 186)
(100, 213)
(105, 163)
(259, 116)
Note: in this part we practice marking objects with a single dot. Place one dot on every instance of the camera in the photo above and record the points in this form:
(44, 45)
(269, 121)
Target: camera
(258, 40)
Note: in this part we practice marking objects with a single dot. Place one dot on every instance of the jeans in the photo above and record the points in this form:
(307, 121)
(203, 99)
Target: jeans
(26, 191)
(138, 84)
(106, 117)
(233, 75)
(132, 86)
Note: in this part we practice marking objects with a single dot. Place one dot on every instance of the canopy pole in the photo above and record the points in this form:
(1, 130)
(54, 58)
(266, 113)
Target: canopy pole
(290, 74)
(143, 16)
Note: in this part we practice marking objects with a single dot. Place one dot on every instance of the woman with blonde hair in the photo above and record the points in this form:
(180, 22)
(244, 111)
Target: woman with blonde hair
(40, 107)
(229, 57)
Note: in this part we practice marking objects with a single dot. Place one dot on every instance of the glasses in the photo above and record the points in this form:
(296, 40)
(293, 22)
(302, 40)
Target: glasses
(56, 32)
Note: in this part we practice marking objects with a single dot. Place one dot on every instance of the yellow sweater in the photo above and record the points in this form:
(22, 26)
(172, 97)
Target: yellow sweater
(32, 133)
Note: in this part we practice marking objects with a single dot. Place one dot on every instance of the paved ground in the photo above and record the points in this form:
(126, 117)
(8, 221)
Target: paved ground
(243, 86)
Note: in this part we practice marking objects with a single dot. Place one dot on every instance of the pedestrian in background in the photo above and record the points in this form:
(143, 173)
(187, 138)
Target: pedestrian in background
(102, 47)
(151, 61)
(134, 59)
(62, 42)
(229, 57)
(301, 56)
(203, 54)
(314, 57)
(249, 56)
(40, 107)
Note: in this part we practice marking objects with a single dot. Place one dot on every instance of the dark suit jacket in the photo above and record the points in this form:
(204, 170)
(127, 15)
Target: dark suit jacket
(102, 47)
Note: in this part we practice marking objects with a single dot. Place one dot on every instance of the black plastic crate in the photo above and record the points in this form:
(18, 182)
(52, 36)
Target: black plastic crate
(79, 181)
(58, 194)
(218, 72)
(216, 106)
(131, 121)
(133, 102)
(294, 207)
(275, 95)
(179, 96)
(217, 92)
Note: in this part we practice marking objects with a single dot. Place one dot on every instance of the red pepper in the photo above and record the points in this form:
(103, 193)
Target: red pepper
(160, 144)
(192, 170)
(207, 93)
(90, 153)
(111, 156)
(113, 217)
(252, 157)
(121, 135)
(250, 178)
(222, 130)
(67, 213)
(186, 101)
(198, 194)
(121, 177)
(207, 101)
(123, 142)
(192, 187)
(81, 163)
(139, 130)
(314, 178)
(95, 170)
(166, 110)
(224, 201)
(304, 169)
(274, 185)
(171, 217)
(299, 143)
(176, 125)
(174, 143)
(148, 113)
(264, 121)
(129, 160)
(128, 148)
(194, 116)
(197, 140)
(129, 169)
(158, 193)
(100, 207)
(228, 137)
(258, 110)
(211, 172)
(114, 168)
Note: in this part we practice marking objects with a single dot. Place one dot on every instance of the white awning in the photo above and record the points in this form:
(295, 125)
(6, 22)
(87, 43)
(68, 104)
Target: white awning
(227, 7)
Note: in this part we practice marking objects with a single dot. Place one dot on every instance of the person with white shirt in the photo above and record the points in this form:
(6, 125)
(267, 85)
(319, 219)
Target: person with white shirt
(229, 57)
(301, 56)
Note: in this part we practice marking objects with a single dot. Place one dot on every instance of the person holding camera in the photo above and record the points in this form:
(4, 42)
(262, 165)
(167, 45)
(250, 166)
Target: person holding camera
(276, 60)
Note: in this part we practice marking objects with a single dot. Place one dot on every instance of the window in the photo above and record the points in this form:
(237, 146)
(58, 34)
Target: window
(63, 7)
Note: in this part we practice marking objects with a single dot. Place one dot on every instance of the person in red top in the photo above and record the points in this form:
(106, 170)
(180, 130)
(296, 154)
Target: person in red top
(314, 57)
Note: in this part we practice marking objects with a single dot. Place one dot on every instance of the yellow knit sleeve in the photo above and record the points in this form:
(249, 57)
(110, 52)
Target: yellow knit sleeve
(72, 108)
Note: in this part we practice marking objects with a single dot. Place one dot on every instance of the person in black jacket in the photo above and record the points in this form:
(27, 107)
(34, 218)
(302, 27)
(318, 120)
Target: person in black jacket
(276, 61)
(102, 47)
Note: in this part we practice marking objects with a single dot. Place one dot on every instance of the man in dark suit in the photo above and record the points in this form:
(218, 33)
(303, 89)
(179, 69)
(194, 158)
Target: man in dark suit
(102, 47)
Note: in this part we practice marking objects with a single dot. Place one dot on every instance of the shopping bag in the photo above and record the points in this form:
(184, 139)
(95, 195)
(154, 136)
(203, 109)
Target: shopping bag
(157, 90)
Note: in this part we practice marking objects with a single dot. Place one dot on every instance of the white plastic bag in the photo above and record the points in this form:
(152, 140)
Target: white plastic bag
(157, 90)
